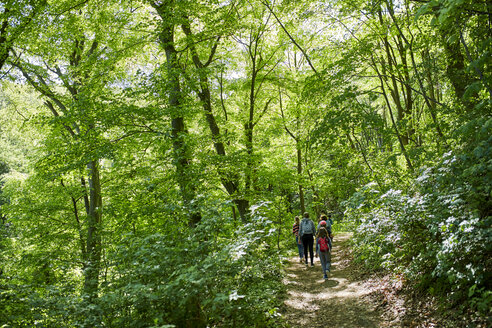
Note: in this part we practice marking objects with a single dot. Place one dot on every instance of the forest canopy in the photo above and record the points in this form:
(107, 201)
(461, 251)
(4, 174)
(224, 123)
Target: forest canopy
(153, 153)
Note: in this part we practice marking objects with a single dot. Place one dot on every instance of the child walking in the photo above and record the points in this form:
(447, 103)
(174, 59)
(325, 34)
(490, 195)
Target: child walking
(324, 245)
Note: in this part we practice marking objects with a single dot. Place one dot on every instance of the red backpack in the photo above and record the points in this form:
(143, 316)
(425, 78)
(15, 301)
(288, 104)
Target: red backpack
(323, 244)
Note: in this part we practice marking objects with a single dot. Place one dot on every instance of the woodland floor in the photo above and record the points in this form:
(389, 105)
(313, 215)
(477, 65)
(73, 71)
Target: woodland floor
(351, 298)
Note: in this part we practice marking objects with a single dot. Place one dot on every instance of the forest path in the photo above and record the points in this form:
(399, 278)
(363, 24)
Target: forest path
(339, 301)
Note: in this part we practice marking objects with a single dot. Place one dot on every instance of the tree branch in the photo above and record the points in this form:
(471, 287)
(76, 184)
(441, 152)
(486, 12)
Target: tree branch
(265, 108)
(477, 70)
(72, 7)
(290, 37)
(283, 117)
(44, 91)
(48, 104)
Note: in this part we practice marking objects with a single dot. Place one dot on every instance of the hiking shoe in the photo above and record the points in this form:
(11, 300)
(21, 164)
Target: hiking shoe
(325, 276)
(312, 264)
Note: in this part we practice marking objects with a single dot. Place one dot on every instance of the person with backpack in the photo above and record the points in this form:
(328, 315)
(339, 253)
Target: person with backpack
(295, 232)
(327, 223)
(307, 231)
(321, 222)
(324, 244)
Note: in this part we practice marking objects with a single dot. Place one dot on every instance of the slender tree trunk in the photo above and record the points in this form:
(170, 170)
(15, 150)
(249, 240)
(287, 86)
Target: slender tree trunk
(299, 174)
(316, 197)
(248, 127)
(393, 90)
(351, 143)
(179, 133)
(374, 174)
(299, 155)
(407, 91)
(229, 182)
(82, 241)
(402, 146)
(92, 267)
(417, 75)
(477, 70)
(455, 69)
(430, 81)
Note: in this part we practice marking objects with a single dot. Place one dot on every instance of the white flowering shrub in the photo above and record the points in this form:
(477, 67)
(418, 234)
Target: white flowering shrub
(438, 233)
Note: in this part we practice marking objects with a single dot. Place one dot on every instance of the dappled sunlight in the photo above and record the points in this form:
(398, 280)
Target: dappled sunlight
(313, 301)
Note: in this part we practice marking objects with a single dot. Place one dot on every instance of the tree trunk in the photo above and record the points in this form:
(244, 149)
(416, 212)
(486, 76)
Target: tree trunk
(231, 184)
(181, 152)
(243, 208)
(393, 90)
(248, 127)
(299, 175)
(400, 141)
(455, 69)
(407, 91)
(417, 76)
(93, 263)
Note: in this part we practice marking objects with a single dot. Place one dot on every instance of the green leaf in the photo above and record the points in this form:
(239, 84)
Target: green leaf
(422, 11)
(473, 89)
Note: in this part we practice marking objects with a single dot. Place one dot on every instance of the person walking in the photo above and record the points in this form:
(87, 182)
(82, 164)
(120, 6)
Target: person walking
(295, 232)
(324, 244)
(325, 217)
(326, 222)
(329, 222)
(306, 232)
(320, 220)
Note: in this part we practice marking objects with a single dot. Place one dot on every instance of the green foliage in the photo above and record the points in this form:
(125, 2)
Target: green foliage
(207, 278)
(343, 100)
(220, 274)
(438, 234)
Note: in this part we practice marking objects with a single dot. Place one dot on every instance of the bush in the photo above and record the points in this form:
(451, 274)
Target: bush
(196, 280)
(438, 232)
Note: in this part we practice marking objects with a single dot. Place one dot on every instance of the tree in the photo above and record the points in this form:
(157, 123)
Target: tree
(74, 82)
(169, 21)
(14, 19)
(229, 180)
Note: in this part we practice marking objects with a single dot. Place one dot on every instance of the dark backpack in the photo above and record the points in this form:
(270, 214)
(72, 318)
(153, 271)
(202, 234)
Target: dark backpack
(323, 244)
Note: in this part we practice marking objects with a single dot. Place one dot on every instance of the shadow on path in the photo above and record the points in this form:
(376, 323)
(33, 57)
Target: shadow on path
(336, 302)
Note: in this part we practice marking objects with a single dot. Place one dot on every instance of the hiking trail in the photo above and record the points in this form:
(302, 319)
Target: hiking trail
(339, 301)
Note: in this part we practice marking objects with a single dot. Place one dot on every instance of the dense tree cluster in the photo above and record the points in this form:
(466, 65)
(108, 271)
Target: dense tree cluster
(153, 153)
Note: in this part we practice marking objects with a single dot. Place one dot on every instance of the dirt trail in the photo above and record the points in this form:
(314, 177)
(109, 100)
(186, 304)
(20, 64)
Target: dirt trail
(339, 301)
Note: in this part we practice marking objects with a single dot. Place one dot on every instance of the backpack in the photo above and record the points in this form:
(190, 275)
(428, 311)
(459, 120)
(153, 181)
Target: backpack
(323, 244)
(307, 227)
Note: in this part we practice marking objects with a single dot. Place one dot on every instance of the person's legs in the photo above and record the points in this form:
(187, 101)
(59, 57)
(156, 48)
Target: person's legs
(300, 248)
(328, 261)
(322, 259)
(317, 247)
(305, 248)
(310, 245)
